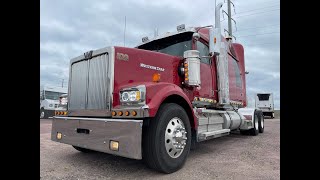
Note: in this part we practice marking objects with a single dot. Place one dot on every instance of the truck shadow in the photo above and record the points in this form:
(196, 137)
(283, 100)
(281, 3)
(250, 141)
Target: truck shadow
(105, 164)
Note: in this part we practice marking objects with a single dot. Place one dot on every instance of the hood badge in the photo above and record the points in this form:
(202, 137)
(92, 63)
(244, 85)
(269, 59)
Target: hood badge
(151, 67)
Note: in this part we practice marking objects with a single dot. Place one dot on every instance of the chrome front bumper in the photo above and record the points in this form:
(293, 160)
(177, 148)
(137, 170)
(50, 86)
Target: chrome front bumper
(98, 134)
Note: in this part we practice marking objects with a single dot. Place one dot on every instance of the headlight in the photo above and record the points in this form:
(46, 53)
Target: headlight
(125, 96)
(133, 95)
(50, 105)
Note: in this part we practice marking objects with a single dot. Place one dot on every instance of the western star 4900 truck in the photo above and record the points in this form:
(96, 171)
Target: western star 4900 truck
(158, 100)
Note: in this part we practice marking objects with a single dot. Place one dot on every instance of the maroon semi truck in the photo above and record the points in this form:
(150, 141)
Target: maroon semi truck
(158, 100)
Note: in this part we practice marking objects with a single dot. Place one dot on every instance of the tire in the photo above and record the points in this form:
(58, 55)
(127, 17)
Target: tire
(194, 143)
(43, 114)
(244, 132)
(157, 143)
(82, 149)
(261, 122)
(255, 130)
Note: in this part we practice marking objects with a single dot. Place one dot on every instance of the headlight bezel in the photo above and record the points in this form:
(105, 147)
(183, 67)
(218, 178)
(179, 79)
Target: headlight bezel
(138, 91)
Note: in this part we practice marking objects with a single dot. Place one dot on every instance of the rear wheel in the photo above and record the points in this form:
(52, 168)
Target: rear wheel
(43, 114)
(244, 132)
(261, 122)
(272, 115)
(167, 139)
(82, 149)
(255, 130)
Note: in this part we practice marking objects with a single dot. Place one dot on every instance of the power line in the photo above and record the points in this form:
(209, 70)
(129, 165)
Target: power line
(256, 13)
(259, 27)
(259, 34)
(271, 2)
(259, 44)
(256, 9)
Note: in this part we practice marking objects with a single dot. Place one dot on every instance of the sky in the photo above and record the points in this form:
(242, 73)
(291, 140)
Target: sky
(70, 28)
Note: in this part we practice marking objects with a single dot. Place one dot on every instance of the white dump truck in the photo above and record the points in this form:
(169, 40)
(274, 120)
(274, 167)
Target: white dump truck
(264, 101)
(50, 100)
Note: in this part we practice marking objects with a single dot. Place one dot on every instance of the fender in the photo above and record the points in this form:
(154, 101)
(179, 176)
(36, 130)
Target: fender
(247, 114)
(158, 92)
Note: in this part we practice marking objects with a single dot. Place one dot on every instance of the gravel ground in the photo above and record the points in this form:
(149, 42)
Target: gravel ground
(230, 157)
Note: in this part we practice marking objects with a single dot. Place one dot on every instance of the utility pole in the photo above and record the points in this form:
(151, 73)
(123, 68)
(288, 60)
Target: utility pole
(229, 19)
(124, 33)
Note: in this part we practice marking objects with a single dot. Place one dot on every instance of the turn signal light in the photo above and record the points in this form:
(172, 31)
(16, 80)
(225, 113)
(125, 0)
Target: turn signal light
(120, 113)
(134, 113)
(156, 77)
(114, 113)
(127, 113)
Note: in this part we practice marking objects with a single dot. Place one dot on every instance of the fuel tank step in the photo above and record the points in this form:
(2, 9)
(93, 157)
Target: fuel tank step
(213, 134)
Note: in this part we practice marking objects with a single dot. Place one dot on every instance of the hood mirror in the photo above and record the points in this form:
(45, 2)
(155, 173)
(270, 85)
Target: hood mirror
(196, 36)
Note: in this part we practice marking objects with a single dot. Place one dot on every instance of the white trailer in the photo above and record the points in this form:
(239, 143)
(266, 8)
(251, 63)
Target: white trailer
(49, 100)
(264, 101)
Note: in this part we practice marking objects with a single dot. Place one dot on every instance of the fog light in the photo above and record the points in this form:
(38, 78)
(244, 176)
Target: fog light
(114, 145)
(59, 135)
(134, 113)
(114, 113)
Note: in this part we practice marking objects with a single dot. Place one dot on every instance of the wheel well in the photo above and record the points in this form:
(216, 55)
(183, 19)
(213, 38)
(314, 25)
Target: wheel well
(183, 103)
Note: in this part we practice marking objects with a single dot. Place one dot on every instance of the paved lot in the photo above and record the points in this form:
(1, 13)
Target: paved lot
(230, 157)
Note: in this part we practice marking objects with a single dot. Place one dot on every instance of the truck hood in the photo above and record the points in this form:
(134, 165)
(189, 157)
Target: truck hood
(134, 66)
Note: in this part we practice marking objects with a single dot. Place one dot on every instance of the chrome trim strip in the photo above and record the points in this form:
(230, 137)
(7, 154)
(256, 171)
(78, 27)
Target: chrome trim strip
(98, 119)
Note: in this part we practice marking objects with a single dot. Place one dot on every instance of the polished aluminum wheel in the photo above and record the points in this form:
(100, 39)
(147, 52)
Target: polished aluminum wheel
(175, 137)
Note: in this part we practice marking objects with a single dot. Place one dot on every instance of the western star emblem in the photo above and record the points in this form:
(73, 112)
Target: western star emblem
(123, 57)
(151, 67)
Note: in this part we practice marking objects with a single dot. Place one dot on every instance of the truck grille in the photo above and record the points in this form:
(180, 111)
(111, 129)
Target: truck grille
(90, 87)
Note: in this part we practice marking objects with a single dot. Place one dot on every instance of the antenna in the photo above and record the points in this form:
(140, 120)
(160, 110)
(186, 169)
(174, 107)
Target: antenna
(155, 32)
(124, 33)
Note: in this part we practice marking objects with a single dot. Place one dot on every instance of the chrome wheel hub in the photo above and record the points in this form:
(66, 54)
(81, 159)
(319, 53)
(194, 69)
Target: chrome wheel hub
(175, 137)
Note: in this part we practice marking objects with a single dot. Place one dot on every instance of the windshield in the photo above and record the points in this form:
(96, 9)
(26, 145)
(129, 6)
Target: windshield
(53, 95)
(173, 45)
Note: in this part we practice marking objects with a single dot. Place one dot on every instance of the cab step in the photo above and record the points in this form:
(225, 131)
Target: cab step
(213, 134)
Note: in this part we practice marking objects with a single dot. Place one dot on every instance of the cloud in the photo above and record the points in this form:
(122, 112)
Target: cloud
(70, 28)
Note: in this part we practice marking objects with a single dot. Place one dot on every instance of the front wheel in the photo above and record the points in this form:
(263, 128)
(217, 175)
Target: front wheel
(167, 139)
(43, 114)
(82, 149)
